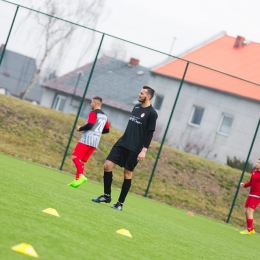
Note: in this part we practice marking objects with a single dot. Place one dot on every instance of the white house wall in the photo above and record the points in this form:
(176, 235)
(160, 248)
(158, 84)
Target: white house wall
(205, 138)
(117, 118)
(47, 98)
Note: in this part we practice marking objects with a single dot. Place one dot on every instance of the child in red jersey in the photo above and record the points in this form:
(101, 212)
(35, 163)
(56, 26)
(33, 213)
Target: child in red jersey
(253, 198)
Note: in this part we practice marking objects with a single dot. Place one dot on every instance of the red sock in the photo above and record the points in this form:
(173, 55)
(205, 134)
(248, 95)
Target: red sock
(79, 165)
(249, 222)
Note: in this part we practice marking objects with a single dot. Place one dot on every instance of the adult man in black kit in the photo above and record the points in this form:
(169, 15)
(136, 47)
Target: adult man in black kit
(131, 147)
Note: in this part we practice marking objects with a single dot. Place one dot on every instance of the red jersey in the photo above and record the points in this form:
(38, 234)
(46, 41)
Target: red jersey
(254, 184)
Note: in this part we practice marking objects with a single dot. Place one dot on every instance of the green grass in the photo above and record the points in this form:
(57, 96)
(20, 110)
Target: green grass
(40, 135)
(86, 230)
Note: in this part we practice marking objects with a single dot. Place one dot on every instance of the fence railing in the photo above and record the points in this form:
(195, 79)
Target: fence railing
(61, 65)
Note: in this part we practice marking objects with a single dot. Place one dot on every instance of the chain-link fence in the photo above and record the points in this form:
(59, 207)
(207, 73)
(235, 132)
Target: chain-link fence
(62, 65)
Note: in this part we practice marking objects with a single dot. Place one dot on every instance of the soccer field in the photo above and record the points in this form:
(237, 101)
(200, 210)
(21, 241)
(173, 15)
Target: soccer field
(87, 230)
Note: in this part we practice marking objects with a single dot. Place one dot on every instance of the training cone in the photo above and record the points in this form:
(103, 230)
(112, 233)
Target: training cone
(25, 249)
(190, 213)
(51, 212)
(124, 232)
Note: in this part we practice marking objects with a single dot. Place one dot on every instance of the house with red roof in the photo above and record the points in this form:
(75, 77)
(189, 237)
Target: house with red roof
(212, 97)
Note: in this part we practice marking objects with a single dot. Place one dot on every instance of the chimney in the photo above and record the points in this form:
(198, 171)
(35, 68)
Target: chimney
(133, 62)
(239, 42)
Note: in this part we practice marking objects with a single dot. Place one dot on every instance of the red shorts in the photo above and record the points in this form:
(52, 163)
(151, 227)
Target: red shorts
(252, 202)
(83, 151)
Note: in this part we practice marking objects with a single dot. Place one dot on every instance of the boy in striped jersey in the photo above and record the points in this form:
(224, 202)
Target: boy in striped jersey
(96, 125)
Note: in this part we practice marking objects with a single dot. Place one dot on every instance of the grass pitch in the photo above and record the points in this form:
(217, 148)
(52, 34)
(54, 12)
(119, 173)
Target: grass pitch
(34, 133)
(87, 230)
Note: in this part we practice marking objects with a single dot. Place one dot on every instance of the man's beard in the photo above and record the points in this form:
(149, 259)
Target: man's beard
(141, 100)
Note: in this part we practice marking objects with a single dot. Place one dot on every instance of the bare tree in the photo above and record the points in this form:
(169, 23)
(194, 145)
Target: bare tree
(117, 50)
(55, 35)
(196, 143)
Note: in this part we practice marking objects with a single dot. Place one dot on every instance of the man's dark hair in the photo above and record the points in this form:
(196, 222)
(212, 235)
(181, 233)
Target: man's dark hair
(98, 98)
(150, 91)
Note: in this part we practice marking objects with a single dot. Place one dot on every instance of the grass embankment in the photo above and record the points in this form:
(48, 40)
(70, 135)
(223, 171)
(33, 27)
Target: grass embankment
(183, 180)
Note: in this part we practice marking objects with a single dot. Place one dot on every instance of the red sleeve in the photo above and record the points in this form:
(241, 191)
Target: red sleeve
(106, 125)
(92, 117)
(248, 184)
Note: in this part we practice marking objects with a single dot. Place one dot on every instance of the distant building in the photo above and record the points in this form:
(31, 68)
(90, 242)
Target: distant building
(16, 73)
(116, 81)
(216, 115)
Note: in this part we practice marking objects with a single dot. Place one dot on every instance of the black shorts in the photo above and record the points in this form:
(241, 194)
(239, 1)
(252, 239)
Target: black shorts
(123, 157)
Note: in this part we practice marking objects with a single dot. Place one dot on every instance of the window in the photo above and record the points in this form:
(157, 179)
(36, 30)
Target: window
(197, 114)
(225, 125)
(157, 101)
(59, 102)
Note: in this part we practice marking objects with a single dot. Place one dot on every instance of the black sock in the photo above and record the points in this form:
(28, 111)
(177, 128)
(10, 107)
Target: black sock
(125, 188)
(108, 177)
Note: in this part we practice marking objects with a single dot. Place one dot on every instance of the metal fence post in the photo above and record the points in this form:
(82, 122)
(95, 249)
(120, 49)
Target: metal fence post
(8, 36)
(81, 103)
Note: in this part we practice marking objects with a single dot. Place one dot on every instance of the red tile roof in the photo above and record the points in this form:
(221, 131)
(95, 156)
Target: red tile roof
(220, 55)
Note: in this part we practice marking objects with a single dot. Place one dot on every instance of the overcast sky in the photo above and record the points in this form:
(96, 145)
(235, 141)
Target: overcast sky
(176, 26)
(155, 23)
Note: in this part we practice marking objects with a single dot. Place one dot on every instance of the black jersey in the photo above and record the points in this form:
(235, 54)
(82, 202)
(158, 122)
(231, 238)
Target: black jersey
(141, 120)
